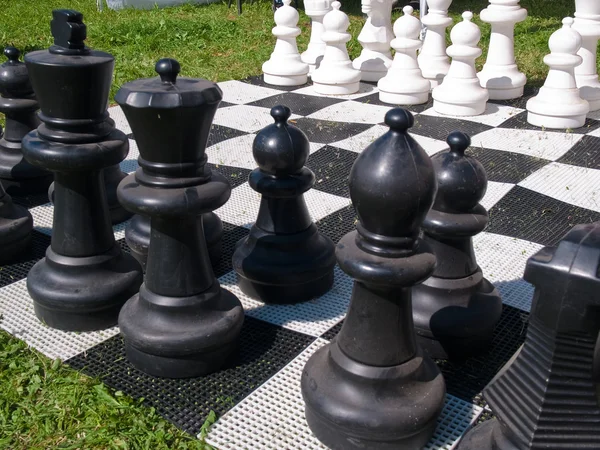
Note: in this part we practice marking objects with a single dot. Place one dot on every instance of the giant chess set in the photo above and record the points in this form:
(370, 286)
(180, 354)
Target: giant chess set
(395, 252)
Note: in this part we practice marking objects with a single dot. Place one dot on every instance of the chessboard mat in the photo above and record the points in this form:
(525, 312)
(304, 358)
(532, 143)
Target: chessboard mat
(541, 183)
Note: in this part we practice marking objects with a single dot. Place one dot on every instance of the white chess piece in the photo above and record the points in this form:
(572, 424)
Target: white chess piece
(375, 37)
(500, 74)
(558, 104)
(433, 60)
(335, 75)
(404, 84)
(316, 10)
(587, 24)
(461, 94)
(285, 67)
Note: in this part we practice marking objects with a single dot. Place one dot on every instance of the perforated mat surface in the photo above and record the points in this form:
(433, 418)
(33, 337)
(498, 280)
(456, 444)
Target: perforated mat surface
(542, 182)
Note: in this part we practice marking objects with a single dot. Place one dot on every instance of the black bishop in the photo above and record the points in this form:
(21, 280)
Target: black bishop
(372, 385)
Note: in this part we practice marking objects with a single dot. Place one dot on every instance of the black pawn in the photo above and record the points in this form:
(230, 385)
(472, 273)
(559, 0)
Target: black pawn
(182, 323)
(456, 310)
(284, 259)
(137, 235)
(85, 278)
(373, 387)
(16, 224)
(19, 106)
(548, 395)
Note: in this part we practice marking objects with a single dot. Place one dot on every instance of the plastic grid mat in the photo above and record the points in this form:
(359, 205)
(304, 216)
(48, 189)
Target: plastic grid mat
(19, 269)
(19, 319)
(272, 418)
(264, 350)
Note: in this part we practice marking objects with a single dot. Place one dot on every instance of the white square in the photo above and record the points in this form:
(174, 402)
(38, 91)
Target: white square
(359, 142)
(239, 93)
(537, 143)
(494, 115)
(353, 112)
(494, 193)
(363, 90)
(246, 118)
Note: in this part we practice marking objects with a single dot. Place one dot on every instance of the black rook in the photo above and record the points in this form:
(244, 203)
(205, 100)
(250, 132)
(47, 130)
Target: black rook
(372, 385)
(548, 395)
(182, 323)
(85, 278)
(456, 310)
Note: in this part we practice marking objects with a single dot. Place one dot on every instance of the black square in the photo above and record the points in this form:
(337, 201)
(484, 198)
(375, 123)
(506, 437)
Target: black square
(31, 200)
(440, 127)
(327, 132)
(506, 167)
(231, 235)
(336, 225)
(331, 166)
(300, 104)
(20, 267)
(235, 175)
(219, 133)
(258, 80)
(264, 350)
(586, 153)
(519, 122)
(373, 99)
(526, 214)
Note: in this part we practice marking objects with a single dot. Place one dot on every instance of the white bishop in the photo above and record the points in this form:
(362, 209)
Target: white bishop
(558, 104)
(461, 94)
(404, 83)
(335, 75)
(285, 68)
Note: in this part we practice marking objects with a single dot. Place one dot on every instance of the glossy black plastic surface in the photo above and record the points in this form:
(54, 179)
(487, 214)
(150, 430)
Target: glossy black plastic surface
(182, 323)
(372, 387)
(456, 310)
(547, 396)
(284, 259)
(84, 279)
(19, 106)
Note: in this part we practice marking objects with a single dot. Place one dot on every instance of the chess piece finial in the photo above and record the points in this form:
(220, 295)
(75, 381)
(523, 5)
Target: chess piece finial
(460, 93)
(182, 323)
(335, 74)
(284, 259)
(433, 60)
(587, 24)
(69, 32)
(456, 310)
(500, 74)
(404, 83)
(547, 109)
(372, 385)
(285, 67)
(548, 395)
(14, 79)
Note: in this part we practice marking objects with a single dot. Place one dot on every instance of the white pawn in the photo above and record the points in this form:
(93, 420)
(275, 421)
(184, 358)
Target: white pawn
(433, 60)
(461, 94)
(335, 75)
(285, 67)
(558, 104)
(500, 74)
(316, 10)
(404, 84)
(587, 24)
(375, 58)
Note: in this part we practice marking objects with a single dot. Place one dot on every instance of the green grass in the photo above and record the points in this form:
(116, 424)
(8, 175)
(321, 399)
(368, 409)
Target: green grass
(44, 404)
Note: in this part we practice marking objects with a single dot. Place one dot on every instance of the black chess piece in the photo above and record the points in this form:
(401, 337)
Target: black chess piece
(19, 106)
(16, 224)
(284, 259)
(182, 323)
(456, 310)
(373, 387)
(547, 396)
(84, 279)
(137, 235)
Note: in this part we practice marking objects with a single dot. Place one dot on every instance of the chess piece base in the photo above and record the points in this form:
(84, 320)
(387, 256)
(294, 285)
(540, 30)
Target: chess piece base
(403, 99)
(466, 98)
(285, 80)
(285, 269)
(373, 66)
(502, 83)
(16, 224)
(455, 318)
(137, 235)
(336, 89)
(83, 294)
(359, 407)
(181, 337)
